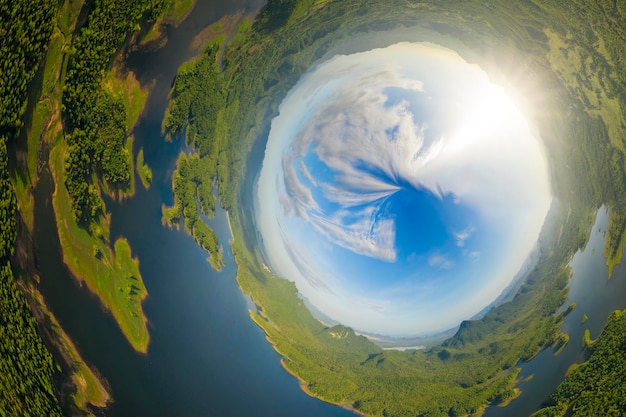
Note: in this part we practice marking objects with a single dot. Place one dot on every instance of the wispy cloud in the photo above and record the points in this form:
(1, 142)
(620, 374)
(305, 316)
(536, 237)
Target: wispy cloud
(350, 136)
(463, 235)
(440, 261)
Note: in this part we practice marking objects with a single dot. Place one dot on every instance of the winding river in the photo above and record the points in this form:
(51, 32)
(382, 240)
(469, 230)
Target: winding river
(206, 357)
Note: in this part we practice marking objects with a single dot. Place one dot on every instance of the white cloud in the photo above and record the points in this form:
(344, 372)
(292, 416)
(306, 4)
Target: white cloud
(342, 113)
(463, 235)
(440, 261)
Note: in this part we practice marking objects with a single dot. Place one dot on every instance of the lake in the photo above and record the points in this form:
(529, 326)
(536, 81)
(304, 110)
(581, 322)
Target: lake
(594, 295)
(206, 357)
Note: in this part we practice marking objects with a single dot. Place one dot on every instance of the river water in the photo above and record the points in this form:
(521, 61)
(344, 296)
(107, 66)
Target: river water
(596, 296)
(206, 357)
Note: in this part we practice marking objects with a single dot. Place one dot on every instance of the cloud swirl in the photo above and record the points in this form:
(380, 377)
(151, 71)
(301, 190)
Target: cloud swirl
(401, 190)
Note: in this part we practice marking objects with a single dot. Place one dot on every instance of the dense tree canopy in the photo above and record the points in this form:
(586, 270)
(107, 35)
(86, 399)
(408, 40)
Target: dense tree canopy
(596, 388)
(95, 121)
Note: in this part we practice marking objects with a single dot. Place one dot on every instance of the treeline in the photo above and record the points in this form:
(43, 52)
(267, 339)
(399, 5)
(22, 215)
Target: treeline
(258, 68)
(192, 183)
(198, 109)
(604, 178)
(597, 387)
(25, 31)
(95, 121)
(27, 369)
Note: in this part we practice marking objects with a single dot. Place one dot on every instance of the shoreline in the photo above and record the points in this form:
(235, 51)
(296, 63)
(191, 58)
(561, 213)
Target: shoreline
(91, 387)
(107, 270)
(284, 359)
(305, 389)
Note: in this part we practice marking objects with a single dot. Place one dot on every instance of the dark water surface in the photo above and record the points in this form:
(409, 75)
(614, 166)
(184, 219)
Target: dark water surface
(594, 295)
(206, 357)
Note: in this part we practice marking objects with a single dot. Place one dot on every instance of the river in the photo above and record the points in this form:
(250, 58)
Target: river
(206, 357)
(596, 296)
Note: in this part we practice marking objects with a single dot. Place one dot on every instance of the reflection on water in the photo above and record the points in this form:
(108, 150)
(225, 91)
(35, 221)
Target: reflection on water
(595, 296)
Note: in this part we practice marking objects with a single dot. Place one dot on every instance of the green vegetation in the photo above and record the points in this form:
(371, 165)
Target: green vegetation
(115, 276)
(178, 9)
(174, 12)
(191, 184)
(100, 105)
(28, 27)
(596, 388)
(122, 84)
(119, 193)
(144, 171)
(45, 115)
(109, 271)
(588, 342)
(584, 319)
(510, 396)
(226, 98)
(561, 343)
(97, 120)
(88, 387)
(27, 369)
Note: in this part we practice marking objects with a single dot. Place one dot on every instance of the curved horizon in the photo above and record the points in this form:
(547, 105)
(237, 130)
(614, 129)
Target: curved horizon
(401, 190)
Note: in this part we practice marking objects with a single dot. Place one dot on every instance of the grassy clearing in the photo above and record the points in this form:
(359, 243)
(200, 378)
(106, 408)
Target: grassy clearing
(123, 84)
(144, 171)
(110, 273)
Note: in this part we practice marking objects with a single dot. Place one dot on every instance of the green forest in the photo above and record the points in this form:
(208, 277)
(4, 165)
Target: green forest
(581, 121)
(27, 370)
(596, 387)
(95, 121)
(223, 101)
(30, 379)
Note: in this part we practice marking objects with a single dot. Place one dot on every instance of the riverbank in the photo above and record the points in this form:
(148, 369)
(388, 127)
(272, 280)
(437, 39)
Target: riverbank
(43, 110)
(304, 385)
(107, 268)
(90, 387)
(110, 273)
(177, 11)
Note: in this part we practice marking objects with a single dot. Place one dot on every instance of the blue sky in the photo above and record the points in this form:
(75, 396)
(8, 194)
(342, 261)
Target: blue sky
(401, 190)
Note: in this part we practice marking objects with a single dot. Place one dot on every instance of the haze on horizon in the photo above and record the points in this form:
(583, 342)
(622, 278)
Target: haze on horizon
(401, 190)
